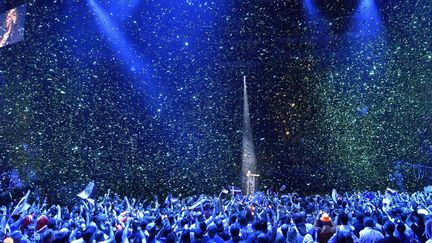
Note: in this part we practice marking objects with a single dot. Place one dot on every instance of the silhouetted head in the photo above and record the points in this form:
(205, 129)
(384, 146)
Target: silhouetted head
(185, 236)
(284, 229)
(343, 218)
(234, 230)
(368, 222)
(401, 228)
(212, 230)
(263, 238)
(389, 228)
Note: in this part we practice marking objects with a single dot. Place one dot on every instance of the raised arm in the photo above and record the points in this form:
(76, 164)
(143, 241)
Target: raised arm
(126, 231)
(73, 234)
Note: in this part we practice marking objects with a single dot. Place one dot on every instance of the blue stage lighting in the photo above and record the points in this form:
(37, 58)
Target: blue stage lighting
(367, 21)
(140, 70)
(316, 22)
(310, 8)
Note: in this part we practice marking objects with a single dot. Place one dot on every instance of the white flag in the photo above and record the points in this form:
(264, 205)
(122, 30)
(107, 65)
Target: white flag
(334, 195)
(87, 191)
(22, 205)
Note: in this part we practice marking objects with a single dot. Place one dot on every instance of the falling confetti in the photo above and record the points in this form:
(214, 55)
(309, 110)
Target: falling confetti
(145, 97)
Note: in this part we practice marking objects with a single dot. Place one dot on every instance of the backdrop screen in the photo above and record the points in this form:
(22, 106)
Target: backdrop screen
(12, 25)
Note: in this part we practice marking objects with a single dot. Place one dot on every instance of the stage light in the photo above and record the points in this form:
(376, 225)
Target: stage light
(310, 8)
(126, 54)
(366, 20)
(249, 162)
(316, 22)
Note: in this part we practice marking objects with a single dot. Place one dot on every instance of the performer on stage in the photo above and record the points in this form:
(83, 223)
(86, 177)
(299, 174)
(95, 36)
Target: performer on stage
(251, 182)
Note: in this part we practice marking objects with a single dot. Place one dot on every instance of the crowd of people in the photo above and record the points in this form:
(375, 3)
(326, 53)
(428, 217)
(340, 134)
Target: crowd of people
(228, 217)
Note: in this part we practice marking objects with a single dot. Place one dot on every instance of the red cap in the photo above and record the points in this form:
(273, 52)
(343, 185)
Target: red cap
(41, 222)
(26, 221)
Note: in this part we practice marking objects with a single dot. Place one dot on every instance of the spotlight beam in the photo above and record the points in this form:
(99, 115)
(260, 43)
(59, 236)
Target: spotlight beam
(124, 50)
(249, 163)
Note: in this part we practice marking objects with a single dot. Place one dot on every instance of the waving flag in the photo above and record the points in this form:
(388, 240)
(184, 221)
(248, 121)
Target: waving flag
(87, 191)
(22, 205)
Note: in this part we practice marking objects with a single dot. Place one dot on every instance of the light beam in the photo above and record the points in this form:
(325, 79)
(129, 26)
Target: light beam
(249, 162)
(124, 51)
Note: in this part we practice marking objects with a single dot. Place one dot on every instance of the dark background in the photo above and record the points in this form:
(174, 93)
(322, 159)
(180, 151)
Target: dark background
(146, 96)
